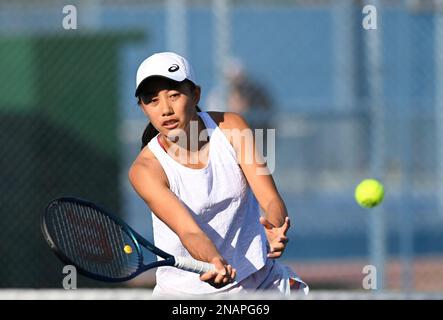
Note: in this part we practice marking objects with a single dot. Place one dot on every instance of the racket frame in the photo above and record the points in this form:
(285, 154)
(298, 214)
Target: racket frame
(137, 239)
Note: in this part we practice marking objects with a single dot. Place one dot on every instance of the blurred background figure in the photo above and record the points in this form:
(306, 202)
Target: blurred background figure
(246, 95)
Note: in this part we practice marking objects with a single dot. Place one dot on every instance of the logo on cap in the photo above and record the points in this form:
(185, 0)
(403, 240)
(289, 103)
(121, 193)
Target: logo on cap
(173, 68)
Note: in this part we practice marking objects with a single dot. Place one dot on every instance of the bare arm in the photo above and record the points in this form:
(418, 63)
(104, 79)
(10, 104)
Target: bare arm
(276, 220)
(150, 182)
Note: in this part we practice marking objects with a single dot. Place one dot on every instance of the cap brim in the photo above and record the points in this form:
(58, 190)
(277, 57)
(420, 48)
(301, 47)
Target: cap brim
(156, 76)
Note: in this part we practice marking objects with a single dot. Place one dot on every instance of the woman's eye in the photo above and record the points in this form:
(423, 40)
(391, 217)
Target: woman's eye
(152, 101)
(146, 99)
(175, 95)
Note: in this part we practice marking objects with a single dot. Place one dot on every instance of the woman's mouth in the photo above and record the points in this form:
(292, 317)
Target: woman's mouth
(170, 124)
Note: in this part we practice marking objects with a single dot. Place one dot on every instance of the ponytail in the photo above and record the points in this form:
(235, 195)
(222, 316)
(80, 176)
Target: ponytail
(150, 132)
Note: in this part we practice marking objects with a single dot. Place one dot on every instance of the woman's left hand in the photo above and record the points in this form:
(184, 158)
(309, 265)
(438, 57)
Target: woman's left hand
(276, 237)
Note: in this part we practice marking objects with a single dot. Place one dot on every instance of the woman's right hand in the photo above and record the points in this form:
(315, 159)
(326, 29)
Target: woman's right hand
(221, 276)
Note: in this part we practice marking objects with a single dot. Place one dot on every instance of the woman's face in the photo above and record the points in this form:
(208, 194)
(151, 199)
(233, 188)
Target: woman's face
(169, 105)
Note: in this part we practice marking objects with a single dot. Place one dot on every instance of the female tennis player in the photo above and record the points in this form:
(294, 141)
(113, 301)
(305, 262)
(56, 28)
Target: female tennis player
(200, 174)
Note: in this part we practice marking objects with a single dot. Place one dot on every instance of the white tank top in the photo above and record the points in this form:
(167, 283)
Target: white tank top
(222, 203)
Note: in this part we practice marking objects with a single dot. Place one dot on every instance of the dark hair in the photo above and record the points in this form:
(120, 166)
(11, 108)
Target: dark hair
(150, 131)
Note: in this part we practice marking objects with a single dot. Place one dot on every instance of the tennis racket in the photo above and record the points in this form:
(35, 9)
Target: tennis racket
(101, 246)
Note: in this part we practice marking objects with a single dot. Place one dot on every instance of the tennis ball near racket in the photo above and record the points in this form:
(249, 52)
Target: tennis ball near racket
(369, 193)
(127, 249)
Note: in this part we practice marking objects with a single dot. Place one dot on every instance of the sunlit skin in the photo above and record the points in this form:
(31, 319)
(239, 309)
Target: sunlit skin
(165, 100)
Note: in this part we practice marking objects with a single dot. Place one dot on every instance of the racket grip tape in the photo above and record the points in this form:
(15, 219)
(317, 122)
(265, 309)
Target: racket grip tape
(192, 265)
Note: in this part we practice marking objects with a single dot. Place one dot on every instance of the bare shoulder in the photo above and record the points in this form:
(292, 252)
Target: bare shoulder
(233, 125)
(228, 120)
(146, 168)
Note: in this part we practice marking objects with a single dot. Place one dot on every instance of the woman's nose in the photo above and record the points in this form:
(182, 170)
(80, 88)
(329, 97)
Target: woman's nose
(166, 107)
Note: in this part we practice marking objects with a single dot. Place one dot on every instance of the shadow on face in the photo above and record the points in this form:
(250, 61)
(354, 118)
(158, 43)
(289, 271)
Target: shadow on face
(151, 86)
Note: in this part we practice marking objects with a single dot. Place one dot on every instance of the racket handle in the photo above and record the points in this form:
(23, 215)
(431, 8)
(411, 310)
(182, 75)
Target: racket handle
(192, 265)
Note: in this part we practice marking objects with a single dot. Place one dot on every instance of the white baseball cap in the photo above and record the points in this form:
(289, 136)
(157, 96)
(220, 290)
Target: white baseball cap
(164, 64)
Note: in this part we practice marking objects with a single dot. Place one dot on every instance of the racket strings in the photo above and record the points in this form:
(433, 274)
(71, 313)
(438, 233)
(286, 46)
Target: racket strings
(96, 250)
(117, 244)
(97, 236)
(92, 241)
(75, 236)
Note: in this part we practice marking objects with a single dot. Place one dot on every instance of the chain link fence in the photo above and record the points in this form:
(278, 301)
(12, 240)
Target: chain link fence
(347, 102)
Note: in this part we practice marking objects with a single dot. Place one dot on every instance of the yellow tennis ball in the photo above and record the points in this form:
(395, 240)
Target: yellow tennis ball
(369, 193)
(127, 249)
